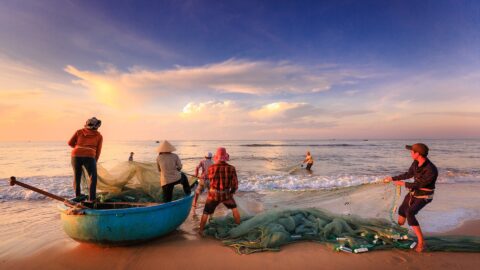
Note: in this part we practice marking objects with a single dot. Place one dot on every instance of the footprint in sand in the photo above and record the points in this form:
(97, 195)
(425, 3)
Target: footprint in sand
(398, 258)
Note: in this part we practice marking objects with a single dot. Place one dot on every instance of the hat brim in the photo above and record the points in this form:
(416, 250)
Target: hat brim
(166, 147)
(408, 147)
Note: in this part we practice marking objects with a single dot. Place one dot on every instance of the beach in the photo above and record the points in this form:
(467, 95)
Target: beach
(340, 134)
(346, 183)
(45, 246)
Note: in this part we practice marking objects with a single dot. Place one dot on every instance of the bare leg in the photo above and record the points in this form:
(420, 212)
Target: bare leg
(236, 215)
(401, 220)
(420, 242)
(194, 204)
(203, 221)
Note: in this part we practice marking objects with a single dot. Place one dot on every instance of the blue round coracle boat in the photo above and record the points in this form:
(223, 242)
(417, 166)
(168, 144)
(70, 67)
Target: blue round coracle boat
(127, 225)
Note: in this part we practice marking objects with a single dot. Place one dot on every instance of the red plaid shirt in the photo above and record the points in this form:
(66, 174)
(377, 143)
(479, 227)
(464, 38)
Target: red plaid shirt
(223, 181)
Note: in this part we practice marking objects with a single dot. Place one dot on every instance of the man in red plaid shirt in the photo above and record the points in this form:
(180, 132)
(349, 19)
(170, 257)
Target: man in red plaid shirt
(223, 184)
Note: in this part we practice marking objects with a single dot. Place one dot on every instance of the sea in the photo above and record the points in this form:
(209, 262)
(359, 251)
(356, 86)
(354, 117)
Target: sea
(261, 165)
(346, 177)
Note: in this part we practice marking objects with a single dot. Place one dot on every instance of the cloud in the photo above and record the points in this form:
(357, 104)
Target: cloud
(351, 92)
(454, 114)
(277, 110)
(349, 113)
(232, 76)
(229, 119)
(20, 94)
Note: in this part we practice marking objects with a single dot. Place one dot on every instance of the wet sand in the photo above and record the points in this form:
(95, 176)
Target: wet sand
(180, 251)
(45, 246)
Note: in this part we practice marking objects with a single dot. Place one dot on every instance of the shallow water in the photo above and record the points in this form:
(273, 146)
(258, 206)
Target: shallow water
(269, 174)
(261, 165)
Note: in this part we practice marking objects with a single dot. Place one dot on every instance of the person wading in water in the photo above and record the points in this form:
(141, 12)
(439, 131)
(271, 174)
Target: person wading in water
(309, 161)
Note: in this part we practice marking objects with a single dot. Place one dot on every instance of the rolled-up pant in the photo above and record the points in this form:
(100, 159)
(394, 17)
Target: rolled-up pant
(410, 208)
(168, 188)
(90, 165)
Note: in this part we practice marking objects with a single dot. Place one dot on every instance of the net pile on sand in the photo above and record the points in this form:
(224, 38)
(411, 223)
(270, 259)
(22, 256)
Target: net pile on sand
(272, 229)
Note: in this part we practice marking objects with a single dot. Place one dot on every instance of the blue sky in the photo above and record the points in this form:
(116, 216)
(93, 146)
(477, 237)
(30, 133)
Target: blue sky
(259, 69)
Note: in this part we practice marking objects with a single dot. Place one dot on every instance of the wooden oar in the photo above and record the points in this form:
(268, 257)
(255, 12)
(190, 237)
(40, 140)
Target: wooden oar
(13, 181)
(194, 176)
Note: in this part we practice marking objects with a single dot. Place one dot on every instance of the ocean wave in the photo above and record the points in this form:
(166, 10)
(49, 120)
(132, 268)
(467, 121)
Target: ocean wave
(248, 181)
(58, 185)
(297, 145)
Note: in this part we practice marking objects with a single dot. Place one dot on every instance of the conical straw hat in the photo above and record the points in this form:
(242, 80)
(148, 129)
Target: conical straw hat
(165, 147)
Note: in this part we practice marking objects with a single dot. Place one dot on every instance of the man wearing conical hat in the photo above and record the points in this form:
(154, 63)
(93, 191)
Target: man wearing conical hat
(223, 184)
(169, 166)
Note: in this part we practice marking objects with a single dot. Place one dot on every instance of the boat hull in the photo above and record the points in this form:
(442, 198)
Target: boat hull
(125, 226)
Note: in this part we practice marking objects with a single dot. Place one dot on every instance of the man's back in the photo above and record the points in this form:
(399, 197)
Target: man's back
(223, 176)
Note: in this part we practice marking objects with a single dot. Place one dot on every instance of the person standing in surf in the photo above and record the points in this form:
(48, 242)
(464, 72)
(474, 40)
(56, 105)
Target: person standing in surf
(169, 166)
(425, 174)
(223, 185)
(87, 145)
(203, 179)
(309, 161)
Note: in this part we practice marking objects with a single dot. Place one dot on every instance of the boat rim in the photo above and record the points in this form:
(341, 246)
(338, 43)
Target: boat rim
(64, 208)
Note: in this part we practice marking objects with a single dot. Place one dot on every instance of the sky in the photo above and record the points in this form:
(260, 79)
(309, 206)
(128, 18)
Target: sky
(234, 70)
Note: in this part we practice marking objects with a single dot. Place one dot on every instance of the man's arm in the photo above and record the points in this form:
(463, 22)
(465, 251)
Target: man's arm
(234, 187)
(73, 141)
(158, 165)
(99, 148)
(178, 162)
(197, 168)
(406, 175)
(420, 182)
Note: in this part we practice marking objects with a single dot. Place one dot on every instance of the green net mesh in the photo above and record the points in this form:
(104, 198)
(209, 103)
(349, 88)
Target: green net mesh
(272, 229)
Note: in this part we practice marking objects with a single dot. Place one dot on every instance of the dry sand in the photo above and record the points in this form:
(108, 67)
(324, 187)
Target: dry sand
(183, 249)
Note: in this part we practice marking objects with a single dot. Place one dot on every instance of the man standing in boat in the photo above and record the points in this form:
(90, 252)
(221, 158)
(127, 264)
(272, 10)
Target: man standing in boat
(169, 166)
(223, 185)
(425, 174)
(203, 179)
(87, 145)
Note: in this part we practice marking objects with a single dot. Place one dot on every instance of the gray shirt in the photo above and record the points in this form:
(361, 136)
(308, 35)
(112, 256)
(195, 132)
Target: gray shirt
(168, 165)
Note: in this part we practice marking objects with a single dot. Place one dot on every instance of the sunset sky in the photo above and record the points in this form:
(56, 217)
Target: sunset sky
(240, 69)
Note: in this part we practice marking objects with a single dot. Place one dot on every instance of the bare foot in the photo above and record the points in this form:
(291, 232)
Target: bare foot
(420, 248)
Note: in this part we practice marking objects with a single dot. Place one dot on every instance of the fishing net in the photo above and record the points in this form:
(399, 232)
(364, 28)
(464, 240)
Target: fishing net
(269, 230)
(131, 182)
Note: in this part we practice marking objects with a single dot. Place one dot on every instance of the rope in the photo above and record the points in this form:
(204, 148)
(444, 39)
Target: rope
(294, 168)
(191, 175)
(393, 207)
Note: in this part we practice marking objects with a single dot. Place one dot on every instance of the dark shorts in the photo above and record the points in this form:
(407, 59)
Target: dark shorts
(210, 205)
(410, 208)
